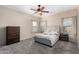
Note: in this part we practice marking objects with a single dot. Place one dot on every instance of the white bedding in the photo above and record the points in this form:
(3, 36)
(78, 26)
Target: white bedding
(52, 37)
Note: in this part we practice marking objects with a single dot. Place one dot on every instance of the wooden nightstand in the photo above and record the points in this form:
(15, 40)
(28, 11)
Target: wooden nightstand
(64, 37)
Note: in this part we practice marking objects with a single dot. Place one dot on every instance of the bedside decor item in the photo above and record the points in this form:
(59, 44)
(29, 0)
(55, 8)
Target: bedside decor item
(12, 34)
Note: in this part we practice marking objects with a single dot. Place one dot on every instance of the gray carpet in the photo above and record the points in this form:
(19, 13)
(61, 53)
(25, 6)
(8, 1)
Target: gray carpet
(30, 47)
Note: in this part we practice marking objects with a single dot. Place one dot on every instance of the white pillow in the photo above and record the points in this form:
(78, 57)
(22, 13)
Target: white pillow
(46, 32)
(53, 33)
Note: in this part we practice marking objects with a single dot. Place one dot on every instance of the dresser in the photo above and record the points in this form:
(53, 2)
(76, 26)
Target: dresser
(12, 34)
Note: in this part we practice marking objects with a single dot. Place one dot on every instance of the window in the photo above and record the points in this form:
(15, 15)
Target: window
(67, 22)
(43, 25)
(34, 26)
(34, 23)
(39, 26)
(67, 25)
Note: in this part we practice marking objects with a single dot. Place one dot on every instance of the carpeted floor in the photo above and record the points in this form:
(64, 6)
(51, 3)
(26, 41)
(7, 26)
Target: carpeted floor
(30, 47)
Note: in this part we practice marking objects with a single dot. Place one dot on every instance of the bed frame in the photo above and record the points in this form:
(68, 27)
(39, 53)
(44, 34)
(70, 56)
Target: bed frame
(43, 41)
(44, 44)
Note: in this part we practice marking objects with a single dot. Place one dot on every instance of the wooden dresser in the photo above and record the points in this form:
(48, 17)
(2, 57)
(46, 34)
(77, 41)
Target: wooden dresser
(12, 34)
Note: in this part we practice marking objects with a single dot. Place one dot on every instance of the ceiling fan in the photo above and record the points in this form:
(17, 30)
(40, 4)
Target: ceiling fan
(40, 10)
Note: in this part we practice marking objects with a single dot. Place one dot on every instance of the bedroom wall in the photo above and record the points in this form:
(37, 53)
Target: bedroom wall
(9, 17)
(52, 20)
(78, 26)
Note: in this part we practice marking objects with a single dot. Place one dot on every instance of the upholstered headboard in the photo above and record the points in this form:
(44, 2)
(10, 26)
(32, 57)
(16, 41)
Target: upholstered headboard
(53, 28)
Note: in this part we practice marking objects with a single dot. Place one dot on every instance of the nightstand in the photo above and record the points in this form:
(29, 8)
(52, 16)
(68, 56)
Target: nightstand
(64, 37)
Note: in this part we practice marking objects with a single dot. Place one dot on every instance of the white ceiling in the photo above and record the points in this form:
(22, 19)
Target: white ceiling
(53, 9)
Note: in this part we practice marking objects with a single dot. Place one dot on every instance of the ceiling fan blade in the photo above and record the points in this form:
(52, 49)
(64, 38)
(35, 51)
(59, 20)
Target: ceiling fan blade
(35, 12)
(42, 8)
(33, 9)
(45, 11)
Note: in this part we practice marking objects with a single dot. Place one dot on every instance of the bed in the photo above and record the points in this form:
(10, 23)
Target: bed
(48, 37)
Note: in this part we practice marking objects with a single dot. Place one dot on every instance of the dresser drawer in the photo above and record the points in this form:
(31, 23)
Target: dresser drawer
(11, 41)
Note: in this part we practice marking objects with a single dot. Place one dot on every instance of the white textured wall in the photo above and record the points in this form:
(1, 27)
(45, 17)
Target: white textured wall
(52, 20)
(78, 26)
(10, 17)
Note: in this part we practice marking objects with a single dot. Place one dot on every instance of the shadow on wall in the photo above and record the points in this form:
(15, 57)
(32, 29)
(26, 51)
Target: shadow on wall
(2, 36)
